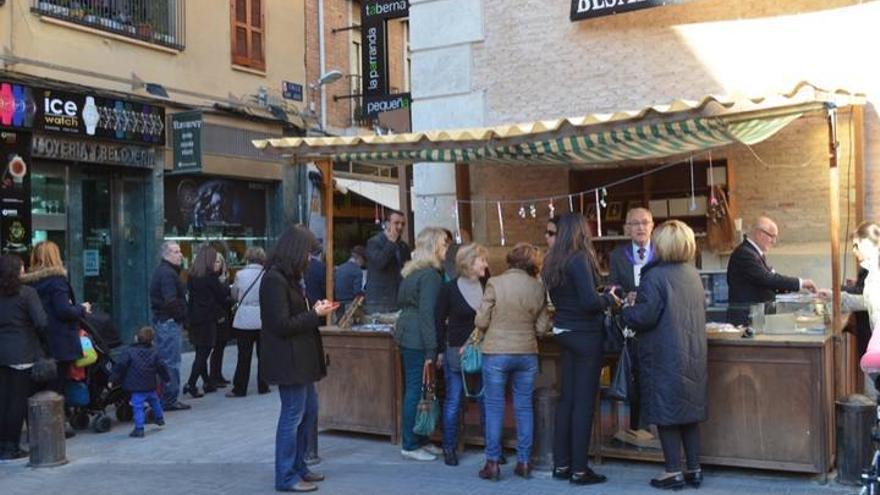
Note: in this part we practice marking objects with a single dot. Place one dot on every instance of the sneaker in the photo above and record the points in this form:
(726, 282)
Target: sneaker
(300, 486)
(160, 422)
(418, 455)
(432, 449)
(137, 433)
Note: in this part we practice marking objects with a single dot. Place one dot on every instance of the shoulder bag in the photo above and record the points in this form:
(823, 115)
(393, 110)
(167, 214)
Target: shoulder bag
(472, 360)
(428, 411)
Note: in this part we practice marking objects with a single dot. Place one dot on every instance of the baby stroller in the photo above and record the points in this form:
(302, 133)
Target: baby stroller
(105, 338)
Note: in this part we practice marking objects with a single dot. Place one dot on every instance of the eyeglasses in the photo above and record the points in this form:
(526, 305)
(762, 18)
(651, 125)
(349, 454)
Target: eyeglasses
(643, 223)
(768, 234)
(550, 233)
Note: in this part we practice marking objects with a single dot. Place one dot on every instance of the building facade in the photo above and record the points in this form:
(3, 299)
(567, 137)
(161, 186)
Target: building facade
(94, 95)
(482, 63)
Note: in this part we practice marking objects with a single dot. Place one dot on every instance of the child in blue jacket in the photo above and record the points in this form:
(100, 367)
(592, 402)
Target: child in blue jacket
(136, 371)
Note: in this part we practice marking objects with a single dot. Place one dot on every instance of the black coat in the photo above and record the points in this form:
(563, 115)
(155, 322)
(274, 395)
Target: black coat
(208, 300)
(167, 293)
(22, 327)
(291, 349)
(385, 259)
(751, 280)
(455, 317)
(63, 314)
(669, 318)
(137, 367)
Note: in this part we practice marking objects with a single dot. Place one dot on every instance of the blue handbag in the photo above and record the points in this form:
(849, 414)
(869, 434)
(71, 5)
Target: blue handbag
(76, 394)
(471, 361)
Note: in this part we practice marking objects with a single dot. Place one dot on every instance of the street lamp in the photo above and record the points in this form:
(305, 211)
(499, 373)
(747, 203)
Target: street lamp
(325, 79)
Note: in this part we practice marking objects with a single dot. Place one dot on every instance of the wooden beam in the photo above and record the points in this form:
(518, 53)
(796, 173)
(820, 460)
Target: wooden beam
(404, 179)
(326, 168)
(842, 385)
(463, 193)
(858, 156)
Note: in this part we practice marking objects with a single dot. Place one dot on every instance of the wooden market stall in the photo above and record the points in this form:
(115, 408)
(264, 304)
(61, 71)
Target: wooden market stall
(771, 397)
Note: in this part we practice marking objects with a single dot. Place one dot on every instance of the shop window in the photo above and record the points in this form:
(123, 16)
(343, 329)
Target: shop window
(159, 22)
(248, 34)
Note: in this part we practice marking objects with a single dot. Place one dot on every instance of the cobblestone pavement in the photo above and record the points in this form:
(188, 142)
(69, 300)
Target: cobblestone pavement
(225, 446)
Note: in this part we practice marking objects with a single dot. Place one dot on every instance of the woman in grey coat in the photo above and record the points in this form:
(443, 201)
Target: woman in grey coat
(669, 317)
(246, 324)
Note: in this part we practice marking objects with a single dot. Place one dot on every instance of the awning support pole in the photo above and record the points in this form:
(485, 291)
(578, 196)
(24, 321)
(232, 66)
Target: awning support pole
(326, 168)
(841, 363)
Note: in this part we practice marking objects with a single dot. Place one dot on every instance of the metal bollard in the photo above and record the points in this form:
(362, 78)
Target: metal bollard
(545, 422)
(855, 420)
(46, 430)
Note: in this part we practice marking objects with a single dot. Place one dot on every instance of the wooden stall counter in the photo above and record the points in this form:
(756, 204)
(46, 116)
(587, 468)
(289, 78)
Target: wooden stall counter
(361, 392)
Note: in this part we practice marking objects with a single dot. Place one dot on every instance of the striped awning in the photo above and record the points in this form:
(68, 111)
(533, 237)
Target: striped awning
(653, 133)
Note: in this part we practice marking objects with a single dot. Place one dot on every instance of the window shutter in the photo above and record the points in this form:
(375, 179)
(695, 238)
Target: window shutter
(247, 33)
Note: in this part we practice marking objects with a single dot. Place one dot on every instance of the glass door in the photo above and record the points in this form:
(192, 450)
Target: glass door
(97, 232)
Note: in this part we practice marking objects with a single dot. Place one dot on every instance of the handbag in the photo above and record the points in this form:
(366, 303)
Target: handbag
(612, 342)
(90, 355)
(428, 410)
(76, 394)
(471, 361)
(622, 385)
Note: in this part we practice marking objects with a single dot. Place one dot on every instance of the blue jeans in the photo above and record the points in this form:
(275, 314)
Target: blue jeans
(299, 412)
(413, 362)
(137, 404)
(521, 369)
(169, 340)
(453, 401)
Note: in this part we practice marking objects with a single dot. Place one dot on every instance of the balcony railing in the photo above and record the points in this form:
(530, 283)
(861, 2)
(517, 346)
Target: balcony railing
(159, 22)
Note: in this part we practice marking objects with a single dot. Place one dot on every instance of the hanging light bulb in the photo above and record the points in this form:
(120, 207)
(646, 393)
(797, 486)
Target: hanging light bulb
(522, 211)
(533, 210)
(552, 209)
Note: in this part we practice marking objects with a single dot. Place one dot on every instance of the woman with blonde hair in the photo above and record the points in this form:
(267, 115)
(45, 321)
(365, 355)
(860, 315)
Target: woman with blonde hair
(416, 333)
(455, 311)
(669, 317)
(49, 277)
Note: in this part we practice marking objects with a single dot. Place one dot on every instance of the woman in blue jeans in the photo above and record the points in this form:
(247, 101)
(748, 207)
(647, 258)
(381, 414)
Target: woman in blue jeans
(511, 316)
(570, 275)
(456, 309)
(417, 334)
(292, 355)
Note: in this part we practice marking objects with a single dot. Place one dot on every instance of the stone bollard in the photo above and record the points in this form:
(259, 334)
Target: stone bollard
(545, 422)
(46, 430)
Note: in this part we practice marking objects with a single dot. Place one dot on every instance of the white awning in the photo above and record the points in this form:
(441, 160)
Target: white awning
(387, 195)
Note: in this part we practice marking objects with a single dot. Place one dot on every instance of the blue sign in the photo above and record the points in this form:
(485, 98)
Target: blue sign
(292, 91)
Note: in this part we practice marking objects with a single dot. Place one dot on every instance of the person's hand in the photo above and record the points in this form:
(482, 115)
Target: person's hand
(325, 307)
(809, 285)
(617, 300)
(87, 307)
(631, 298)
(440, 360)
(824, 294)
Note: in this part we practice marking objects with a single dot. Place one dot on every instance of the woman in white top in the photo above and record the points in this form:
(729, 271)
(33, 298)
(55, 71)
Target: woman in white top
(247, 324)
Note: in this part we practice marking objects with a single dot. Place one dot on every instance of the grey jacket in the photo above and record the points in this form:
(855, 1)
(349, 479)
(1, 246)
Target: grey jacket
(247, 317)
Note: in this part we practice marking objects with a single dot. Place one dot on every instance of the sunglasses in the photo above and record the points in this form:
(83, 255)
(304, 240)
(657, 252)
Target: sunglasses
(550, 233)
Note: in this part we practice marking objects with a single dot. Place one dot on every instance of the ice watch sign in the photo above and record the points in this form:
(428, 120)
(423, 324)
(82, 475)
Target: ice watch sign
(76, 114)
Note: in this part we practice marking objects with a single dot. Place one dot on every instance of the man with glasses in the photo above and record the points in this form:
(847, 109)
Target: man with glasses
(751, 279)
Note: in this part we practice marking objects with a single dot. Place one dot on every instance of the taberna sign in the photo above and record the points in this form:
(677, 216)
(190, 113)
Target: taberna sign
(588, 9)
(373, 106)
(384, 9)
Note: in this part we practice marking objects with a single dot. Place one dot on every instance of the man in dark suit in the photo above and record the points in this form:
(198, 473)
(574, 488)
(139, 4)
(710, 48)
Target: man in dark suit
(386, 255)
(627, 259)
(750, 279)
(348, 278)
(626, 262)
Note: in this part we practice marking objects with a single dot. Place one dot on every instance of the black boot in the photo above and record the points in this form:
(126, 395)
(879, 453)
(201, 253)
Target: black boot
(674, 482)
(450, 458)
(694, 478)
(587, 477)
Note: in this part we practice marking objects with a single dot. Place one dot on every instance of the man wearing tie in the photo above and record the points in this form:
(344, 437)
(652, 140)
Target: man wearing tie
(750, 279)
(626, 263)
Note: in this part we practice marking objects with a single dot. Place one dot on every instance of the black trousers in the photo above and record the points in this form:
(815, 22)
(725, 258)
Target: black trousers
(200, 366)
(216, 363)
(581, 366)
(671, 439)
(15, 388)
(247, 340)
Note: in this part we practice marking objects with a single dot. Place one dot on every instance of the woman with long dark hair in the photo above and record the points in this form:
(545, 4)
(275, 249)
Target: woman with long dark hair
(22, 338)
(207, 297)
(570, 273)
(292, 354)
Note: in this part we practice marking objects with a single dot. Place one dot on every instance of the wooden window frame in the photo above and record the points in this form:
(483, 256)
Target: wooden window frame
(248, 61)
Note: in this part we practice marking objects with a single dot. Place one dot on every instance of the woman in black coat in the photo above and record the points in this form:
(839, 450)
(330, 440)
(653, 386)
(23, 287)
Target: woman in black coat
(669, 317)
(292, 354)
(22, 338)
(207, 297)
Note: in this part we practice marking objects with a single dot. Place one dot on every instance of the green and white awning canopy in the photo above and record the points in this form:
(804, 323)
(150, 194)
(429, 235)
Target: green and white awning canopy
(652, 134)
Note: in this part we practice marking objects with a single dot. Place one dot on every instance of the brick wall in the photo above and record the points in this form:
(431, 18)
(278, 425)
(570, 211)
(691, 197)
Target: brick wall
(536, 64)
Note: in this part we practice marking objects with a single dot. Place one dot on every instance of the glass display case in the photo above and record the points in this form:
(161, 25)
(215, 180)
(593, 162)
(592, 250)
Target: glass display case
(791, 314)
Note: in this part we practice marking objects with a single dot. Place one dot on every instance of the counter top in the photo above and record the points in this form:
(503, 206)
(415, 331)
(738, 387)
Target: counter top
(769, 340)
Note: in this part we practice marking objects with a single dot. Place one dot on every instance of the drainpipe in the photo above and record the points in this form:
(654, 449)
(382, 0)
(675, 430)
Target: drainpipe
(321, 63)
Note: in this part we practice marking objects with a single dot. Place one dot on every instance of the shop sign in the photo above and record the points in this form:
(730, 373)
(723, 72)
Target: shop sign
(374, 66)
(186, 131)
(373, 106)
(200, 204)
(78, 150)
(291, 91)
(15, 192)
(91, 262)
(77, 114)
(588, 9)
(384, 10)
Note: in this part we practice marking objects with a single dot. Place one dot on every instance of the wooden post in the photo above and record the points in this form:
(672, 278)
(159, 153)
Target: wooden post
(842, 385)
(463, 193)
(858, 124)
(326, 168)
(404, 179)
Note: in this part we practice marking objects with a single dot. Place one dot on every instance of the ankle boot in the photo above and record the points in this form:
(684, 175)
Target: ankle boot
(694, 478)
(450, 458)
(491, 471)
(523, 470)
